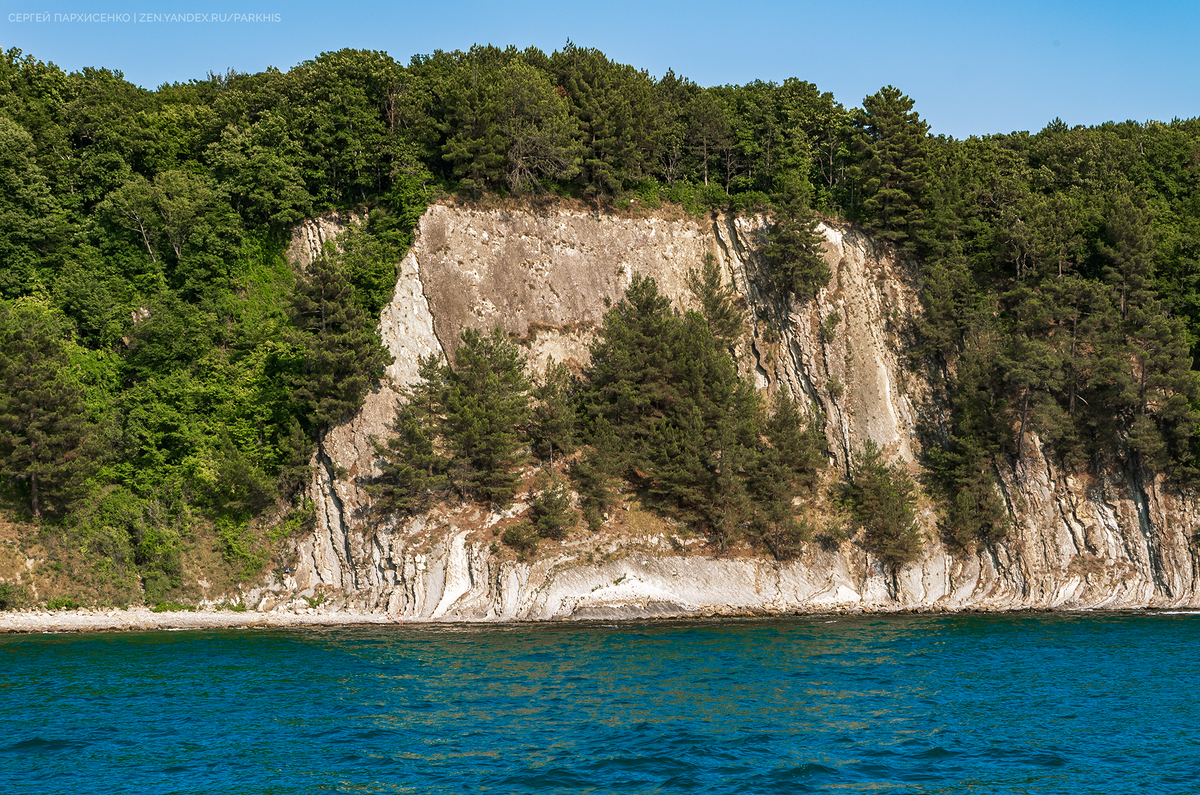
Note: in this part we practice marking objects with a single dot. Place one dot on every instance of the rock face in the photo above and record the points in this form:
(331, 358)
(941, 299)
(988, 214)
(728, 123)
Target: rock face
(1111, 538)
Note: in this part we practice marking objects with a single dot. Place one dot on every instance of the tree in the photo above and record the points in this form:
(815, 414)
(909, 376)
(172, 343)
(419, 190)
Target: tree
(710, 128)
(553, 426)
(801, 446)
(613, 105)
(46, 439)
(892, 169)
(551, 510)
(668, 412)
(534, 128)
(412, 471)
(794, 252)
(28, 212)
(343, 356)
(718, 301)
(487, 409)
(883, 505)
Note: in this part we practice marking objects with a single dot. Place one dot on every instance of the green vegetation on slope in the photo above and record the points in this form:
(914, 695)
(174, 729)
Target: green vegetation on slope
(166, 372)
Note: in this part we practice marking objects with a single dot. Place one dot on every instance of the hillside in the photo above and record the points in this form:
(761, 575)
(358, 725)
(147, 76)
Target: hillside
(949, 372)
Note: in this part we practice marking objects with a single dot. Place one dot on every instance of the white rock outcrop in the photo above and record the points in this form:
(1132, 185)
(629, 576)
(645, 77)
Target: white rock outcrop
(1108, 538)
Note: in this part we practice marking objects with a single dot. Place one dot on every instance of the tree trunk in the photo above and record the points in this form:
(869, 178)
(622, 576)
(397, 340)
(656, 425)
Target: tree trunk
(1024, 416)
(33, 487)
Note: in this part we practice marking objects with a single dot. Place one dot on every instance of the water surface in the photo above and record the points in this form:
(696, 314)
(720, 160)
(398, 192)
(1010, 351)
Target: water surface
(1102, 703)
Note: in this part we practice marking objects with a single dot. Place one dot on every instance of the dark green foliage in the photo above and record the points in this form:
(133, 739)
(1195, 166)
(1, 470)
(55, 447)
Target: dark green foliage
(522, 537)
(594, 472)
(487, 409)
(892, 169)
(718, 301)
(413, 473)
(48, 445)
(882, 499)
(12, 596)
(799, 445)
(551, 511)
(786, 468)
(342, 353)
(150, 226)
(794, 251)
(669, 414)
(553, 427)
(1059, 277)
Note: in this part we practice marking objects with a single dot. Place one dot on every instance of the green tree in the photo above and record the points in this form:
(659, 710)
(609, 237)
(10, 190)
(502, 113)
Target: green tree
(487, 410)
(28, 212)
(47, 442)
(534, 128)
(553, 427)
(892, 169)
(710, 130)
(343, 356)
(882, 496)
(794, 251)
(718, 301)
(551, 512)
(412, 471)
(613, 105)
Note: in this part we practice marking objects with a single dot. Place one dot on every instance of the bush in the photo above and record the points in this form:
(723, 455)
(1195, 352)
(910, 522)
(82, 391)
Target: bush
(11, 596)
(785, 538)
(882, 502)
(62, 603)
(521, 537)
(238, 546)
(551, 510)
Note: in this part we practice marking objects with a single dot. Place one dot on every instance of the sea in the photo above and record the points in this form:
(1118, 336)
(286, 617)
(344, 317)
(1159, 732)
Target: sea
(1000, 703)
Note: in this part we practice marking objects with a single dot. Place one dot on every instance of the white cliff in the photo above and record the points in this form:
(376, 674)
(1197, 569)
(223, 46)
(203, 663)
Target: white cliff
(1111, 538)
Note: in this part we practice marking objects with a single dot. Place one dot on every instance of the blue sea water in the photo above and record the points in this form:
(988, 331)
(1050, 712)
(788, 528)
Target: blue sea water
(1079, 703)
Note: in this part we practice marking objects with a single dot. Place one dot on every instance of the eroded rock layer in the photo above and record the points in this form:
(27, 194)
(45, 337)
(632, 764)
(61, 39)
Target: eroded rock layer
(1112, 538)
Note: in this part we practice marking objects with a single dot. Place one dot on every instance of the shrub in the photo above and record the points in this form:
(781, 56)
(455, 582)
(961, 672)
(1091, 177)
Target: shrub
(11, 596)
(882, 502)
(551, 510)
(62, 603)
(521, 537)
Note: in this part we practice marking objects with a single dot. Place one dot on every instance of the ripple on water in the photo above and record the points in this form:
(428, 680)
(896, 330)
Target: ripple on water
(1096, 703)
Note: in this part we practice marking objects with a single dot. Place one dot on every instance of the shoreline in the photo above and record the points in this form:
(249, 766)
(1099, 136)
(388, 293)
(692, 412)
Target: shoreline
(144, 619)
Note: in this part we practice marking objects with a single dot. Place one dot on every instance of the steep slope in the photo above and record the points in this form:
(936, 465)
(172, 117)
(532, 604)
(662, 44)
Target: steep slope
(1108, 538)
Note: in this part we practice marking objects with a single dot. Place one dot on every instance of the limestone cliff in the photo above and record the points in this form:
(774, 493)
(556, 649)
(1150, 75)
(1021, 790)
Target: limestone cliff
(1113, 537)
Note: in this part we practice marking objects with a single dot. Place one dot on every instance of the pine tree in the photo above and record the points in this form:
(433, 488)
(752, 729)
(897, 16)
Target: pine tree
(412, 472)
(487, 409)
(718, 301)
(801, 447)
(782, 470)
(553, 426)
(892, 168)
(883, 505)
(343, 356)
(794, 250)
(46, 440)
(551, 511)
(774, 521)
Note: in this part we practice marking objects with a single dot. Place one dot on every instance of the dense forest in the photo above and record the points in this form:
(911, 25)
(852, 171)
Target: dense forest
(167, 374)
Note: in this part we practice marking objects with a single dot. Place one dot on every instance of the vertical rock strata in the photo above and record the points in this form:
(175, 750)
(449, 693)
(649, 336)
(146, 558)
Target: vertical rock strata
(1108, 539)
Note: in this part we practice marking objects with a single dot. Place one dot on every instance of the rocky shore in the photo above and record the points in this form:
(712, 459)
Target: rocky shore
(144, 619)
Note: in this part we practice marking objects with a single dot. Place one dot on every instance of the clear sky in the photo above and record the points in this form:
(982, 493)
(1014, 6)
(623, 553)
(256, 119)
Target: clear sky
(973, 67)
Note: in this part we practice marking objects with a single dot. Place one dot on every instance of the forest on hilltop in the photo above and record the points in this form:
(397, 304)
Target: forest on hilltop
(167, 374)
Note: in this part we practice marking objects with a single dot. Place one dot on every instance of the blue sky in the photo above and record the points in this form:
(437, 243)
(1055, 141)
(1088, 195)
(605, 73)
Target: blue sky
(971, 67)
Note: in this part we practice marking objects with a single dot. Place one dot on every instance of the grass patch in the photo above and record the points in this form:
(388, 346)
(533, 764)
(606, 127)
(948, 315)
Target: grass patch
(173, 607)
